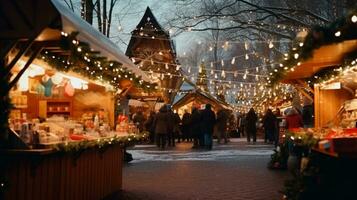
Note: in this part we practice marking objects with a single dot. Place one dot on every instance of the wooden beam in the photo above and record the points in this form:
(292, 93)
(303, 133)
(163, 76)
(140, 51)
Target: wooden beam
(304, 93)
(22, 71)
(21, 52)
(317, 99)
(7, 48)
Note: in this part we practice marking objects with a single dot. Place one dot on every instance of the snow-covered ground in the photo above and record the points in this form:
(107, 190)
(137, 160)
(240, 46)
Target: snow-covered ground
(182, 152)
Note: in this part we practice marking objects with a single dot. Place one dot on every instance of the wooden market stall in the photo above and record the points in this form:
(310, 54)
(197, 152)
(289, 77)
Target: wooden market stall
(323, 64)
(196, 96)
(328, 101)
(61, 76)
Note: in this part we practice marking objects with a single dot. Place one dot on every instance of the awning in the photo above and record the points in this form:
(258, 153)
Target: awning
(325, 56)
(97, 41)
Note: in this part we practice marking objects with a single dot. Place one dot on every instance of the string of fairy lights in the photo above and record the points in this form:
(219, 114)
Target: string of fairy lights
(246, 84)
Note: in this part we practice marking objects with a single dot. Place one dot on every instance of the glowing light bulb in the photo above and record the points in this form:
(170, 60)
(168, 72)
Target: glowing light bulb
(354, 18)
(296, 55)
(233, 60)
(338, 34)
(223, 74)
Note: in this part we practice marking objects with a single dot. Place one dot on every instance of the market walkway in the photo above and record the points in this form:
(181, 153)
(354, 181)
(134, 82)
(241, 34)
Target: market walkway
(232, 171)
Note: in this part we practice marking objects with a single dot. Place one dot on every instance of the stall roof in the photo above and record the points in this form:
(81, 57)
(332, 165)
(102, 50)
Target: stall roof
(71, 22)
(43, 21)
(325, 56)
(201, 95)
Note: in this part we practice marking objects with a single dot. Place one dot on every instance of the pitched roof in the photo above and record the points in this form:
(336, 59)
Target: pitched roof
(148, 27)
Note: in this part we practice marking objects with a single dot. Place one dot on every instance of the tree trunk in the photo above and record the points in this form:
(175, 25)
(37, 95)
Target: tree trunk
(105, 17)
(89, 11)
(112, 4)
(99, 16)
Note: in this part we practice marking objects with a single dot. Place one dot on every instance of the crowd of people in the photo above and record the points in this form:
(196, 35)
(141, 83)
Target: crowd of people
(166, 127)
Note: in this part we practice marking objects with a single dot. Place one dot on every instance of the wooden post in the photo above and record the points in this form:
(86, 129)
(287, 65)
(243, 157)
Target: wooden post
(4, 103)
(29, 61)
(317, 106)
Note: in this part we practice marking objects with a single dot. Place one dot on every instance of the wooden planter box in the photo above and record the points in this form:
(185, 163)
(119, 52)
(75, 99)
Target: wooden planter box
(46, 174)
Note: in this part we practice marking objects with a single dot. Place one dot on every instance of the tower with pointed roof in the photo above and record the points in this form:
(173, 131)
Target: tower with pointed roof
(151, 48)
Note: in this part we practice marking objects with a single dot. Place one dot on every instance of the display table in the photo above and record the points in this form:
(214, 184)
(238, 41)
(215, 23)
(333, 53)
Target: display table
(49, 174)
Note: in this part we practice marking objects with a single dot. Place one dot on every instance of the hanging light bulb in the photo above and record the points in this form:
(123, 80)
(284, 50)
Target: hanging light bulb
(338, 34)
(152, 62)
(233, 60)
(222, 62)
(199, 69)
(257, 69)
(296, 55)
(246, 56)
(178, 67)
(210, 48)
(223, 74)
(212, 72)
(246, 45)
(215, 76)
(166, 66)
(354, 18)
(271, 45)
(189, 70)
(235, 74)
(245, 76)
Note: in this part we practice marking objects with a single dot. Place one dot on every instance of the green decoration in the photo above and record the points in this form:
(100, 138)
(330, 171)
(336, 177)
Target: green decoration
(101, 143)
(86, 62)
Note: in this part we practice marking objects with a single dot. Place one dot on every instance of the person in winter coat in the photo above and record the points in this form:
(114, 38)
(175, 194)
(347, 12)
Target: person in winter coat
(177, 130)
(270, 126)
(171, 126)
(307, 116)
(161, 124)
(139, 120)
(278, 116)
(149, 126)
(186, 119)
(195, 126)
(293, 119)
(221, 125)
(208, 119)
(242, 124)
(251, 125)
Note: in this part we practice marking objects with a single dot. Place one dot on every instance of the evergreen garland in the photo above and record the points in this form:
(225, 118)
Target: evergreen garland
(86, 62)
(101, 144)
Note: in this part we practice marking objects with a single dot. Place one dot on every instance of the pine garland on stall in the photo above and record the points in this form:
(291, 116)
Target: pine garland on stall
(86, 62)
